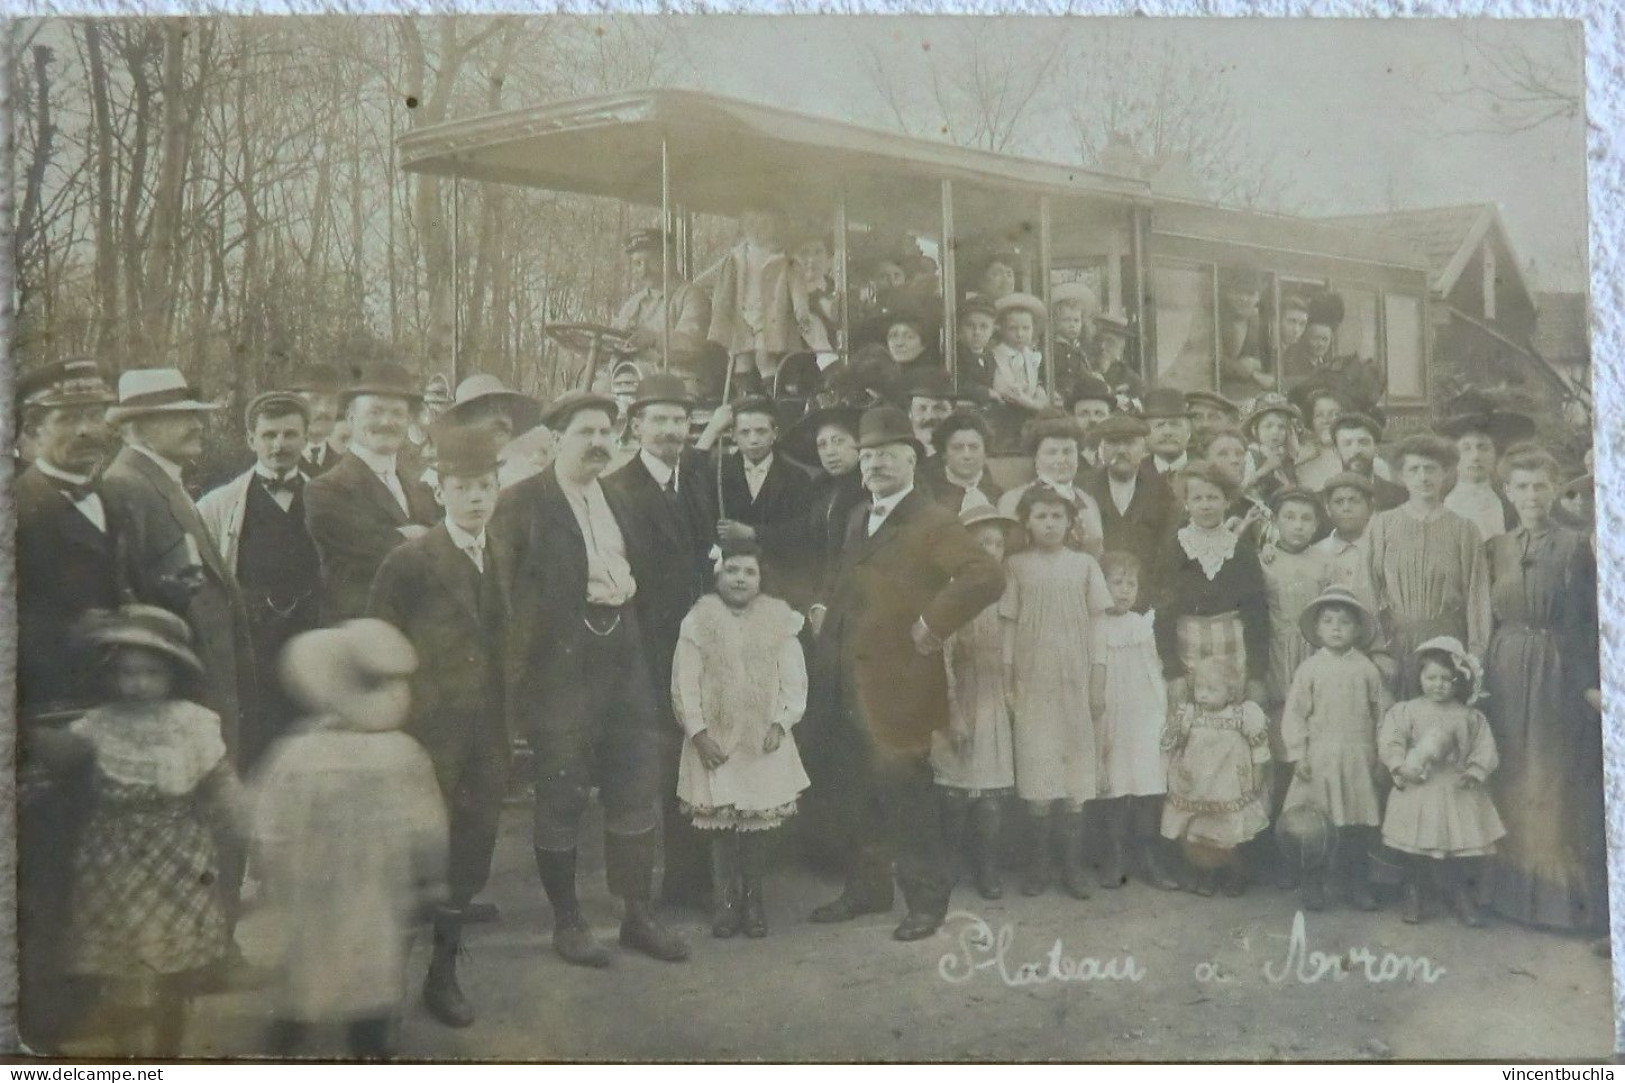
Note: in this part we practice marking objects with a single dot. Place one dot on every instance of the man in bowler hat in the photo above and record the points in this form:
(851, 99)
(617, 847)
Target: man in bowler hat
(909, 576)
(447, 591)
(578, 677)
(372, 500)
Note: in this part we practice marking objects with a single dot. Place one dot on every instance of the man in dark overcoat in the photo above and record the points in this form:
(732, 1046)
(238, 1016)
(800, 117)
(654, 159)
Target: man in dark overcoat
(448, 593)
(577, 678)
(371, 501)
(909, 576)
(68, 563)
(672, 487)
(173, 562)
(1137, 512)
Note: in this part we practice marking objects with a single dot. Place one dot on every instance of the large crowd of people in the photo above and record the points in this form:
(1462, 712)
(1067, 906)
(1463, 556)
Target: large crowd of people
(1208, 641)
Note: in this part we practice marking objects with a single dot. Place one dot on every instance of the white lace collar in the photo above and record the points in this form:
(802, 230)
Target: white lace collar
(1209, 548)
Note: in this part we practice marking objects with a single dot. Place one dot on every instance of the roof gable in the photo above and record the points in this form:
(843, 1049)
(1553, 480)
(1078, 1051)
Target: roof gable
(1447, 237)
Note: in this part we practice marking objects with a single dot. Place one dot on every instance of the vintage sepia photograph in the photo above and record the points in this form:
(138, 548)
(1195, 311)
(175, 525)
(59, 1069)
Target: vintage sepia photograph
(805, 538)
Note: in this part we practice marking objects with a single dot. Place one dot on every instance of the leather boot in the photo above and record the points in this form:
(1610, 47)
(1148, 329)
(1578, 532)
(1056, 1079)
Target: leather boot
(954, 810)
(1114, 822)
(1357, 871)
(572, 938)
(1036, 879)
(752, 847)
(442, 996)
(1069, 829)
(629, 867)
(1413, 911)
(725, 916)
(869, 889)
(986, 819)
(1460, 891)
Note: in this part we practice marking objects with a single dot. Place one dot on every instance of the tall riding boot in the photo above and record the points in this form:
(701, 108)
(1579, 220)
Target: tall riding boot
(725, 917)
(752, 856)
(955, 810)
(572, 938)
(1069, 828)
(1036, 880)
(986, 820)
(441, 993)
(629, 862)
(1114, 816)
(1159, 870)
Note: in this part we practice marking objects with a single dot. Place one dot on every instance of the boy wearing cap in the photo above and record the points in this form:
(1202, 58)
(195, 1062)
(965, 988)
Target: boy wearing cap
(257, 522)
(447, 591)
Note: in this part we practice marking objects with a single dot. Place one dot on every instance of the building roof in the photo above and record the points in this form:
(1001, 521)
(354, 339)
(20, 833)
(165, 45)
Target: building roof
(1446, 237)
(1562, 327)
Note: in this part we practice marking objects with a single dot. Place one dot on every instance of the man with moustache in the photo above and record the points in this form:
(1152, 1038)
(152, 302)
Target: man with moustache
(672, 488)
(909, 577)
(371, 501)
(327, 435)
(1355, 437)
(577, 676)
(173, 562)
(67, 565)
(1136, 506)
(257, 522)
(930, 398)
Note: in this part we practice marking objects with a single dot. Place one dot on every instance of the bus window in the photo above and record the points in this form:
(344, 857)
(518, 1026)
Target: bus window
(1182, 298)
(1358, 335)
(1290, 321)
(1402, 333)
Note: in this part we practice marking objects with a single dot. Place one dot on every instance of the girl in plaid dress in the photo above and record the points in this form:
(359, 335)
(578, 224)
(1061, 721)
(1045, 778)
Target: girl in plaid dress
(148, 919)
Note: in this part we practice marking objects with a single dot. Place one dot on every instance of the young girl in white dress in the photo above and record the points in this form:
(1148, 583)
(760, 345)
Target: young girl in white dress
(1440, 751)
(1057, 688)
(1133, 774)
(974, 759)
(739, 683)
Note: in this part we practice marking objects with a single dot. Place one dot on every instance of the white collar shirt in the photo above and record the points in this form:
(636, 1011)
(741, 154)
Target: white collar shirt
(882, 506)
(90, 505)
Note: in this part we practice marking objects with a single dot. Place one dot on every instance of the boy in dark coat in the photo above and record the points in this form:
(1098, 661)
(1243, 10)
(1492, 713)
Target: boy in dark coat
(447, 592)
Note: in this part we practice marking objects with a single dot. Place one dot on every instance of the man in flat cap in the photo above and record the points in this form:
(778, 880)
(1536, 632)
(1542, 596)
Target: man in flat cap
(1137, 512)
(257, 522)
(662, 300)
(372, 500)
(67, 564)
(577, 676)
(909, 576)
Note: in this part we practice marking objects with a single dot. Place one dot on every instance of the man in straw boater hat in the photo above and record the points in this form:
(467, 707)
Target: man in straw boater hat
(578, 675)
(172, 560)
(448, 592)
(1483, 431)
(68, 564)
(328, 435)
(371, 501)
(673, 488)
(909, 577)
(257, 522)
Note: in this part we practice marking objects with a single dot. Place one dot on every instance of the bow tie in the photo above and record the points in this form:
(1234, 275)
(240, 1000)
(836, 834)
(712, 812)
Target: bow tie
(75, 491)
(293, 483)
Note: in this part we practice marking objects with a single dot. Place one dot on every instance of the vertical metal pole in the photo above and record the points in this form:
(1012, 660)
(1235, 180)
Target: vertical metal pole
(1275, 330)
(1043, 294)
(843, 347)
(1142, 341)
(950, 289)
(665, 257)
(685, 243)
(456, 280)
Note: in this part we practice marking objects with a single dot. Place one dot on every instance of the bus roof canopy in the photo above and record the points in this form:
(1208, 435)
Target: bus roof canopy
(725, 154)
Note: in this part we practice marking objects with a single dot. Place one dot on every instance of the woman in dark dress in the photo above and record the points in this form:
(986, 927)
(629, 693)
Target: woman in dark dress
(1209, 589)
(1541, 673)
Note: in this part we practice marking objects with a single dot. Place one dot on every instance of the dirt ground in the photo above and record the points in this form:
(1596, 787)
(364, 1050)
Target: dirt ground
(1215, 983)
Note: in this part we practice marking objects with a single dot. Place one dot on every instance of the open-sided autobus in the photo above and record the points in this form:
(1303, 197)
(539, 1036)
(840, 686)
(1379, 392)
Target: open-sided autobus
(1167, 265)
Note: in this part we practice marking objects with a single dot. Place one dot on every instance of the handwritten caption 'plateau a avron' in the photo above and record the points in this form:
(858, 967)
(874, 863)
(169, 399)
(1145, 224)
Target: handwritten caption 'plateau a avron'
(982, 949)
